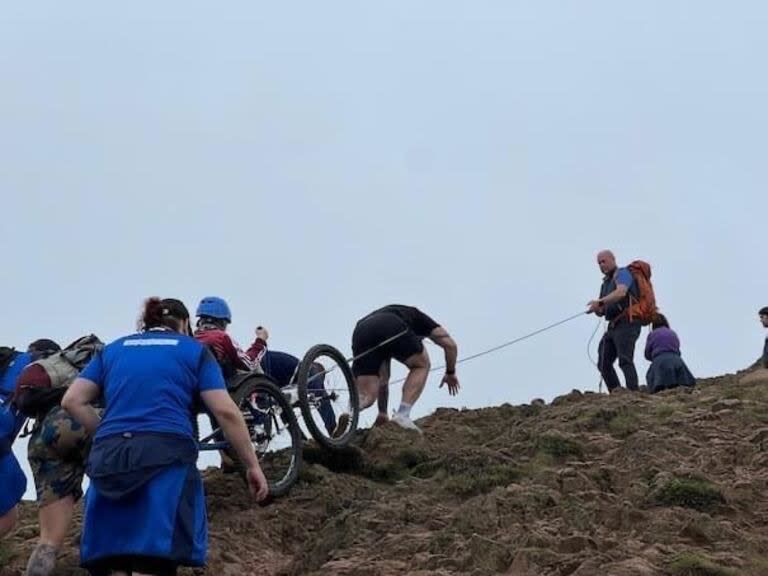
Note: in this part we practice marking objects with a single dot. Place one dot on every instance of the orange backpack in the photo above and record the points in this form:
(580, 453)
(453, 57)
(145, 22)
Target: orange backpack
(642, 306)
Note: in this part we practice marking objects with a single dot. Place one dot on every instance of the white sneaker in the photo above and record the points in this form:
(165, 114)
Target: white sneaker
(404, 422)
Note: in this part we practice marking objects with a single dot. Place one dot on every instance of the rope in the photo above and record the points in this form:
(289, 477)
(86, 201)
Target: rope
(361, 355)
(504, 345)
(589, 354)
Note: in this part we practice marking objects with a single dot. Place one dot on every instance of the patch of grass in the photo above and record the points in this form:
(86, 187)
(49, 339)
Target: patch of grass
(690, 564)
(559, 446)
(624, 425)
(482, 480)
(6, 554)
(692, 492)
(309, 475)
(757, 567)
(664, 412)
(410, 457)
(576, 514)
(604, 479)
(403, 462)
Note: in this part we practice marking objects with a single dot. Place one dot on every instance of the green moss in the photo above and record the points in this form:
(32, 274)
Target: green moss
(693, 492)
(482, 480)
(624, 425)
(690, 564)
(6, 554)
(559, 446)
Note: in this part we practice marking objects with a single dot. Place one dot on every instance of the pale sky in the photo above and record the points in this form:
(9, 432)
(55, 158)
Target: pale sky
(310, 162)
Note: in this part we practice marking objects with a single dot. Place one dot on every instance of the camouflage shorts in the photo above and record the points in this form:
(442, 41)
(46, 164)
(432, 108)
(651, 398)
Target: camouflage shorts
(58, 449)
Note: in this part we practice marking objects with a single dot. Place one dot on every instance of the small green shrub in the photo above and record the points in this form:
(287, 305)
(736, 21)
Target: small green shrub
(482, 480)
(559, 446)
(690, 564)
(692, 492)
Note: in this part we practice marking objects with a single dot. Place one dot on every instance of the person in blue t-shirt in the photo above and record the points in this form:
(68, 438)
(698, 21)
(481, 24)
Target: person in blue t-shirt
(13, 482)
(145, 508)
(620, 338)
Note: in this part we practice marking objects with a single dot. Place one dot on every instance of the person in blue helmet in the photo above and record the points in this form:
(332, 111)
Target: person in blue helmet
(13, 482)
(144, 511)
(213, 317)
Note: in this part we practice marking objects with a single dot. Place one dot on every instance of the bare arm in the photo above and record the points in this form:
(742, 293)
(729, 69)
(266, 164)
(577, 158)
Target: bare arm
(441, 337)
(232, 424)
(598, 306)
(77, 401)
(615, 296)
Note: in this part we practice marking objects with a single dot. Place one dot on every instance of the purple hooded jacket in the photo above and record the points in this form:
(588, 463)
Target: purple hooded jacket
(661, 341)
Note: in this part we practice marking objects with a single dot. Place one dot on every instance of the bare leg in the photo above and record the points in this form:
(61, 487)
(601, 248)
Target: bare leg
(55, 519)
(8, 521)
(418, 366)
(383, 402)
(368, 390)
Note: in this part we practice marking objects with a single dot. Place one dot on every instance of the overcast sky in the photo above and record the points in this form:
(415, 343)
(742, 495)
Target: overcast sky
(310, 162)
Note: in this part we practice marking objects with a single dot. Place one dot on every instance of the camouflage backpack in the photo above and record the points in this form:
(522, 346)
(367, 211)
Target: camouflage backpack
(64, 366)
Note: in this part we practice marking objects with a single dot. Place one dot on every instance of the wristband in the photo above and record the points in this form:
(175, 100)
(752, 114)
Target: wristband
(450, 372)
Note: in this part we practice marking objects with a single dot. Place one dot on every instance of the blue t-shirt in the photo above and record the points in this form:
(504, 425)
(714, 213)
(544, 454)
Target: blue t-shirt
(150, 382)
(11, 374)
(622, 276)
(11, 420)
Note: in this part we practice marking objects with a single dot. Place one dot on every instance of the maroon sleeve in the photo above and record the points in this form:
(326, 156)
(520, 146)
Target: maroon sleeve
(257, 350)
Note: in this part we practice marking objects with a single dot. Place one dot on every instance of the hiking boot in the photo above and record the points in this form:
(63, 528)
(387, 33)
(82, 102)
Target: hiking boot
(381, 419)
(341, 426)
(404, 422)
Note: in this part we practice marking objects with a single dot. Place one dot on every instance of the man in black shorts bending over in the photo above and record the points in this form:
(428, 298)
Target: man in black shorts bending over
(402, 328)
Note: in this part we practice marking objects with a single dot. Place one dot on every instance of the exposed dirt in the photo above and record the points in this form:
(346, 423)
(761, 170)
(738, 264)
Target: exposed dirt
(620, 485)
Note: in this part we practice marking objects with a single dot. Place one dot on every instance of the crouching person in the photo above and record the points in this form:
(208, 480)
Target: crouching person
(145, 508)
(667, 368)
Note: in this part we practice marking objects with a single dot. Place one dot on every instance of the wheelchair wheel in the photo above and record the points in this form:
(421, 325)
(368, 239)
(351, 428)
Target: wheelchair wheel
(328, 397)
(274, 431)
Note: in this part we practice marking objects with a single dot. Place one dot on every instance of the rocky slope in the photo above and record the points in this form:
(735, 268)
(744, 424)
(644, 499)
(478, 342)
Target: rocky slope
(622, 485)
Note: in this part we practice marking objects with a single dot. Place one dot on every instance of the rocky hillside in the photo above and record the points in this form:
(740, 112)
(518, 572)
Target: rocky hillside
(622, 485)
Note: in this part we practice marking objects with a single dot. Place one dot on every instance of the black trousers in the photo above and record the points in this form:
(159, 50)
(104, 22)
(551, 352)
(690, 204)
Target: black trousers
(619, 343)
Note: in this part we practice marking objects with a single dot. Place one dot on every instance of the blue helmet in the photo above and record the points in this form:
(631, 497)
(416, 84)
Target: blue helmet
(214, 307)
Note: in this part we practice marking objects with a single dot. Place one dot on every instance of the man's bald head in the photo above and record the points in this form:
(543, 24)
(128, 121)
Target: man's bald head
(607, 261)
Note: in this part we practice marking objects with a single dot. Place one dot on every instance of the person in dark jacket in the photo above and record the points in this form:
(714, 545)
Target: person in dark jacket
(764, 321)
(619, 340)
(667, 368)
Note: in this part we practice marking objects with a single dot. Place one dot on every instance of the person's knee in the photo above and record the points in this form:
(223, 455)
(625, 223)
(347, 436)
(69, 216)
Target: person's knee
(419, 362)
(368, 391)
(626, 362)
(366, 400)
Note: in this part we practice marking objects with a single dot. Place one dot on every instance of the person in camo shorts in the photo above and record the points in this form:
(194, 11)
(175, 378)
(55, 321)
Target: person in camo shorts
(57, 452)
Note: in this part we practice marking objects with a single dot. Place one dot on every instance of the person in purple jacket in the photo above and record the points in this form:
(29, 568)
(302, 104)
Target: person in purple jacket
(667, 368)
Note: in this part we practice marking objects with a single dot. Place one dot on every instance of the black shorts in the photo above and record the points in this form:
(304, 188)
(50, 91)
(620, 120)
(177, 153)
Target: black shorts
(371, 331)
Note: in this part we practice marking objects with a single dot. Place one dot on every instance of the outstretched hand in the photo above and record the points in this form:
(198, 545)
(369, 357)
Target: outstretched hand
(262, 333)
(594, 306)
(452, 381)
(257, 483)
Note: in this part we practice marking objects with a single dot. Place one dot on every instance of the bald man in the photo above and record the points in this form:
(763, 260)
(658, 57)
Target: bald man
(620, 338)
